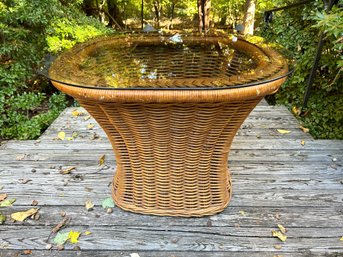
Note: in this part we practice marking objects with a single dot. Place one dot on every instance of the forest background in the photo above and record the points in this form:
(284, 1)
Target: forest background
(31, 31)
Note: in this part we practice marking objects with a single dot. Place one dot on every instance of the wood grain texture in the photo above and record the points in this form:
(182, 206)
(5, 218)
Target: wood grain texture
(276, 180)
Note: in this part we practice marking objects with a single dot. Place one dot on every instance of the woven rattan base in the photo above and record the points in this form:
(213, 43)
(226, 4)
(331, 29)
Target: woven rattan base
(192, 209)
(171, 158)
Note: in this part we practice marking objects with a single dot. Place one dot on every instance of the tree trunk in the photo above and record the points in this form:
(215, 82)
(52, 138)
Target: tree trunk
(204, 15)
(142, 14)
(157, 8)
(114, 12)
(90, 8)
(172, 15)
(249, 17)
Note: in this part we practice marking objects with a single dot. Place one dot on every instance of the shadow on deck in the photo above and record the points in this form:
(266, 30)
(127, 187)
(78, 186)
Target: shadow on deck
(288, 179)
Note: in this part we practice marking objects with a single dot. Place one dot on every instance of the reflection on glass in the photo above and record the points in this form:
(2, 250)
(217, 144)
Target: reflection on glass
(171, 61)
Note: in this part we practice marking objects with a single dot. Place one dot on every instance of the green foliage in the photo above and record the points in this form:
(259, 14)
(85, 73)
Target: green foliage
(28, 31)
(298, 29)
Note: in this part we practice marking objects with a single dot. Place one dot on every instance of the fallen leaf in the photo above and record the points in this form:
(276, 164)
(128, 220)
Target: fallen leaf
(89, 205)
(27, 252)
(21, 216)
(90, 126)
(306, 130)
(4, 245)
(68, 170)
(302, 142)
(61, 238)
(1, 187)
(21, 157)
(242, 213)
(3, 197)
(282, 228)
(34, 203)
(2, 218)
(102, 160)
(73, 236)
(8, 202)
(279, 235)
(75, 113)
(48, 246)
(87, 233)
(278, 247)
(61, 135)
(87, 118)
(283, 131)
(65, 221)
(108, 203)
(341, 239)
(296, 111)
(24, 180)
(134, 255)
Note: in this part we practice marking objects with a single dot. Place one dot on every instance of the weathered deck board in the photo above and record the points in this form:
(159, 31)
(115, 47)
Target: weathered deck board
(276, 180)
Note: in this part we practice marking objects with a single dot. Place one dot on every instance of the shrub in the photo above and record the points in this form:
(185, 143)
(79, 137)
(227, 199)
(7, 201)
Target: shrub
(28, 31)
(298, 30)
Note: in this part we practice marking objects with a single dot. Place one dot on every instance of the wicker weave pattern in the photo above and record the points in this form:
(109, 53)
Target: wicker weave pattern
(171, 159)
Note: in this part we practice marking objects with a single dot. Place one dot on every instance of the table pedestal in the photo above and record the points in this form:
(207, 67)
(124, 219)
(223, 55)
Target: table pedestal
(172, 158)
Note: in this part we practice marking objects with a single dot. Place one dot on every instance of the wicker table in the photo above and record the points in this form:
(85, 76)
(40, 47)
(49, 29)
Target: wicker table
(170, 106)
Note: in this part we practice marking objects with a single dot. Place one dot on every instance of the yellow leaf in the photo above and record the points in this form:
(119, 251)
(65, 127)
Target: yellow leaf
(87, 118)
(282, 228)
(306, 130)
(341, 238)
(90, 126)
(74, 236)
(295, 110)
(241, 212)
(61, 135)
(87, 233)
(302, 142)
(102, 160)
(278, 247)
(75, 113)
(279, 235)
(283, 131)
(68, 170)
(89, 205)
(21, 216)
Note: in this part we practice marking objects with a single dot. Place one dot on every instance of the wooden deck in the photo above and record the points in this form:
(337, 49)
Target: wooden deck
(276, 180)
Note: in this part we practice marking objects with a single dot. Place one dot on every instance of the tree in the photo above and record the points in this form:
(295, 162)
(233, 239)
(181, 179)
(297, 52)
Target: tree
(115, 19)
(204, 15)
(249, 17)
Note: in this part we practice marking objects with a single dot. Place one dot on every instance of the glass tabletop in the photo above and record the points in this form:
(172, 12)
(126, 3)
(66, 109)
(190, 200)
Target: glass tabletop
(178, 62)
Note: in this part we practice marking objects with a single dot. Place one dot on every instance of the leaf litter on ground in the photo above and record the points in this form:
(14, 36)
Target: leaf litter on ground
(68, 170)
(89, 205)
(61, 135)
(3, 197)
(7, 202)
(281, 233)
(284, 131)
(108, 203)
(62, 237)
(23, 215)
(102, 160)
(2, 218)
